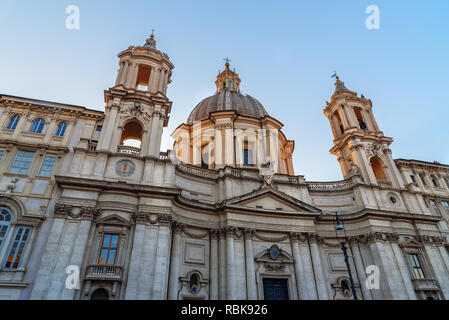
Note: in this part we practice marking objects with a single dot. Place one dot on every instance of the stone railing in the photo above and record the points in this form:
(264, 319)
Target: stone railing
(128, 150)
(92, 146)
(383, 183)
(164, 155)
(104, 272)
(197, 170)
(329, 186)
(425, 284)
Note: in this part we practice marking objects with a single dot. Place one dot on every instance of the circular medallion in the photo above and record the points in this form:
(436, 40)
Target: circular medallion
(274, 252)
(124, 168)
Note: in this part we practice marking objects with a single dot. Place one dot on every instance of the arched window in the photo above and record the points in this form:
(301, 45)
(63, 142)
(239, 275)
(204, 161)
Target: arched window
(132, 135)
(194, 283)
(360, 120)
(13, 122)
(61, 129)
(5, 222)
(37, 126)
(378, 169)
(100, 294)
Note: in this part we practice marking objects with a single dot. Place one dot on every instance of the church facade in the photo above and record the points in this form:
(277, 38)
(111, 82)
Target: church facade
(90, 208)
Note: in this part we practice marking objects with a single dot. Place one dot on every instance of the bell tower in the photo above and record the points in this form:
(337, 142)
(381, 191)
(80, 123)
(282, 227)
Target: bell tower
(361, 148)
(137, 108)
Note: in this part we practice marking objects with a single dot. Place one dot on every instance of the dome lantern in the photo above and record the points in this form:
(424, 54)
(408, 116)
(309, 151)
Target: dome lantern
(228, 79)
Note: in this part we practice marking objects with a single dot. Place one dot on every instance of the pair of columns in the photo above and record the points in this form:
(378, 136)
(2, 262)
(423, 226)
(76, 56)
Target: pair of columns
(127, 76)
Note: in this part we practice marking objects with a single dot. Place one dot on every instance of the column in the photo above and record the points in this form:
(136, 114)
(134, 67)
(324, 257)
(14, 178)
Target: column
(124, 72)
(5, 118)
(249, 259)
(109, 124)
(151, 80)
(343, 117)
(404, 272)
(360, 270)
(321, 281)
(51, 128)
(229, 143)
(213, 288)
(230, 263)
(438, 267)
(333, 128)
(161, 80)
(119, 74)
(309, 277)
(134, 75)
(392, 286)
(45, 271)
(218, 151)
(160, 282)
(153, 135)
(77, 255)
(299, 268)
(175, 261)
(222, 264)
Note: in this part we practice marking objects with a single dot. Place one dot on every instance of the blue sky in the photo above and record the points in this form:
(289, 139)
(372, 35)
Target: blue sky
(284, 51)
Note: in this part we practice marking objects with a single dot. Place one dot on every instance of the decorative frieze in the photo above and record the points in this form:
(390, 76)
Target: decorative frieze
(68, 210)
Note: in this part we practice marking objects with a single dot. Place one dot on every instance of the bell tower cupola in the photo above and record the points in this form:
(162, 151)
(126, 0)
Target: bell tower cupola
(137, 108)
(361, 148)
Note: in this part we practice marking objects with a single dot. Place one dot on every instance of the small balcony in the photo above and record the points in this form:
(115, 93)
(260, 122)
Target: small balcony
(425, 285)
(383, 183)
(104, 272)
(128, 150)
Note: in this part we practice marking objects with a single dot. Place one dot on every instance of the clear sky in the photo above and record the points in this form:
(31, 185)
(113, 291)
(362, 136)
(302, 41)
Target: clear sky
(284, 51)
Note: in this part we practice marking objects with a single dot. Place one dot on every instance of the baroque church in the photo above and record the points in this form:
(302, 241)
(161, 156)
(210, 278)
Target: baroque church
(90, 208)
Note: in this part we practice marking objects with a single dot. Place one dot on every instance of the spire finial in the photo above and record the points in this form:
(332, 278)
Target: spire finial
(227, 60)
(335, 75)
(150, 42)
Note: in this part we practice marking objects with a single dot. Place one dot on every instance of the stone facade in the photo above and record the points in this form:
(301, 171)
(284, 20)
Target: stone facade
(143, 224)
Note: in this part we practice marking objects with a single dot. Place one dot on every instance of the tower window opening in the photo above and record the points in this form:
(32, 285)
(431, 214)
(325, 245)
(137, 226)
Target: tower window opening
(132, 135)
(224, 85)
(205, 156)
(230, 84)
(339, 123)
(143, 78)
(377, 166)
(247, 155)
(358, 114)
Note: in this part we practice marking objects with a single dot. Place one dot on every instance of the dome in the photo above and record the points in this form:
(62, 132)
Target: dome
(227, 100)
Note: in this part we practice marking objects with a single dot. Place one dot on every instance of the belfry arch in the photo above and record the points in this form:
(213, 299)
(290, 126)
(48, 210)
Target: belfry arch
(132, 134)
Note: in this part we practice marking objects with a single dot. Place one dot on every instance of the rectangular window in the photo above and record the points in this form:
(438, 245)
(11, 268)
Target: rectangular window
(99, 128)
(416, 266)
(22, 162)
(248, 158)
(17, 248)
(47, 166)
(1, 154)
(109, 247)
(445, 204)
(432, 203)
